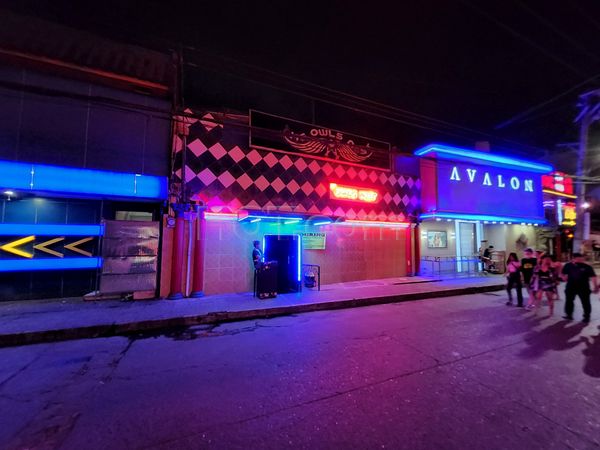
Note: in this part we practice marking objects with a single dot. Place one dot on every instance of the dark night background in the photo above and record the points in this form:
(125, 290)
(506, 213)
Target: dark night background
(473, 65)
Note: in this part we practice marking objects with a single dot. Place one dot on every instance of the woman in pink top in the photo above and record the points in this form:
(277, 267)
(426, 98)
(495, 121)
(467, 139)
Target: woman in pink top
(513, 273)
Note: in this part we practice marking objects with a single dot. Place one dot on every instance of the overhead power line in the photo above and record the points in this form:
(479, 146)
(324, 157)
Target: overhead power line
(558, 31)
(333, 102)
(338, 98)
(583, 13)
(526, 114)
(523, 114)
(524, 38)
(342, 99)
(320, 88)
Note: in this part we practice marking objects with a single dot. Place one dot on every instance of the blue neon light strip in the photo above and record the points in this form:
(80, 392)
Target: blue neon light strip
(446, 151)
(264, 249)
(18, 229)
(71, 180)
(19, 265)
(299, 258)
(267, 217)
(559, 211)
(482, 217)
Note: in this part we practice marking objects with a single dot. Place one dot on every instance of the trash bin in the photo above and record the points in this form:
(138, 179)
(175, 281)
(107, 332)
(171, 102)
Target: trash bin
(310, 279)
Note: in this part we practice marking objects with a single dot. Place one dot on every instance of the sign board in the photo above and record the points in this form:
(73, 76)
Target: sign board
(352, 193)
(567, 213)
(559, 184)
(485, 189)
(313, 241)
(32, 247)
(275, 133)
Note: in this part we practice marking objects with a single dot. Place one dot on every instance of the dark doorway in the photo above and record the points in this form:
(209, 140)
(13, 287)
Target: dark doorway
(285, 249)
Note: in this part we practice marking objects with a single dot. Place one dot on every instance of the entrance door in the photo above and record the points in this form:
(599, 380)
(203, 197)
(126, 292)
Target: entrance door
(467, 244)
(285, 249)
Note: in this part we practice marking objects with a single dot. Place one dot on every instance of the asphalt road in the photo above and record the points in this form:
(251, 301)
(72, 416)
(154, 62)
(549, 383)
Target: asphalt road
(450, 373)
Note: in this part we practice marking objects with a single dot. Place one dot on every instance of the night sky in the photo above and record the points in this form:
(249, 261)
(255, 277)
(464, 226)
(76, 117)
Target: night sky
(471, 63)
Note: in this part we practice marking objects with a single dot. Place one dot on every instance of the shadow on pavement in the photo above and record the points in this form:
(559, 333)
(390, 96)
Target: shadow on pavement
(505, 321)
(516, 326)
(591, 352)
(557, 337)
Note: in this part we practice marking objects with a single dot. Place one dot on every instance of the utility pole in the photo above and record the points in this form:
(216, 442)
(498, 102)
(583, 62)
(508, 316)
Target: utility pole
(590, 112)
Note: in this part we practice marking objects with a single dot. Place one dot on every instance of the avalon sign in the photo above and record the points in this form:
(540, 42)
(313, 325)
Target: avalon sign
(484, 178)
(485, 189)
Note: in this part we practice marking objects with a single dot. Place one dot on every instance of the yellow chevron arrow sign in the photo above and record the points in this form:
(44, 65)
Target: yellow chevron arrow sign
(73, 246)
(11, 247)
(44, 247)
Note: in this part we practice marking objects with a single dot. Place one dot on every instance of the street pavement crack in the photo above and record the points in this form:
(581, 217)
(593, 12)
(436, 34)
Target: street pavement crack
(115, 362)
(21, 370)
(56, 419)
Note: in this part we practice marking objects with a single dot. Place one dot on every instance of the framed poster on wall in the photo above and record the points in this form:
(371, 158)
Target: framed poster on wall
(313, 241)
(437, 239)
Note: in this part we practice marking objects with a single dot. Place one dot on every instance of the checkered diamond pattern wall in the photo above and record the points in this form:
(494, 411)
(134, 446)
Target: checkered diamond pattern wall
(228, 176)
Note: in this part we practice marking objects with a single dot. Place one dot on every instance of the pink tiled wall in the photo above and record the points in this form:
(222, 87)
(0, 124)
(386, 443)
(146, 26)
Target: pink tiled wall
(351, 254)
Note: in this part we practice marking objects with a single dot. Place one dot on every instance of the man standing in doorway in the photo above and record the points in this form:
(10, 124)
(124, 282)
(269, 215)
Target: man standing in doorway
(488, 264)
(577, 274)
(257, 255)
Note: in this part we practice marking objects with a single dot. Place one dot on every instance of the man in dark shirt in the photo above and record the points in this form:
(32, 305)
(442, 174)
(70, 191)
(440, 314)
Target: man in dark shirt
(487, 253)
(528, 264)
(577, 274)
(488, 264)
(257, 255)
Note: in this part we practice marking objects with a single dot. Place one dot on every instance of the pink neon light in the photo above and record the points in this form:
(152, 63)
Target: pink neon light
(220, 216)
(353, 193)
(374, 223)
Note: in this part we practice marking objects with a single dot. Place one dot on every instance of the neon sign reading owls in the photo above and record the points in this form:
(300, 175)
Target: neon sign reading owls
(485, 178)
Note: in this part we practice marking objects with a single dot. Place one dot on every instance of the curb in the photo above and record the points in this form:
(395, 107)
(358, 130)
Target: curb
(131, 328)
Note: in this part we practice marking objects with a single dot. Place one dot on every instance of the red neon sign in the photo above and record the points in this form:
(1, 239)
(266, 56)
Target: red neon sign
(353, 193)
(558, 183)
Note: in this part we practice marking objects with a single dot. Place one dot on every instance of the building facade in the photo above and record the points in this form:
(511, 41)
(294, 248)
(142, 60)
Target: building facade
(474, 199)
(560, 206)
(84, 139)
(262, 175)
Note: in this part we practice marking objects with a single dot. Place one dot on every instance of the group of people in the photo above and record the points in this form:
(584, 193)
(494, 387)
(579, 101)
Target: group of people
(541, 275)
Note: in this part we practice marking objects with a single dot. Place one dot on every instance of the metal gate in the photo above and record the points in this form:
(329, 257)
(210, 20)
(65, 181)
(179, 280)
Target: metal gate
(130, 256)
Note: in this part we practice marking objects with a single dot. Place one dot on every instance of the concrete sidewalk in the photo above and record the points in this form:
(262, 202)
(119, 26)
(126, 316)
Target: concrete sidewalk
(28, 322)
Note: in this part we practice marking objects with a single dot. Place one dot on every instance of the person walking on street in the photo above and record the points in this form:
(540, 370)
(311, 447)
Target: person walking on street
(528, 264)
(596, 250)
(544, 281)
(578, 274)
(513, 274)
(557, 267)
